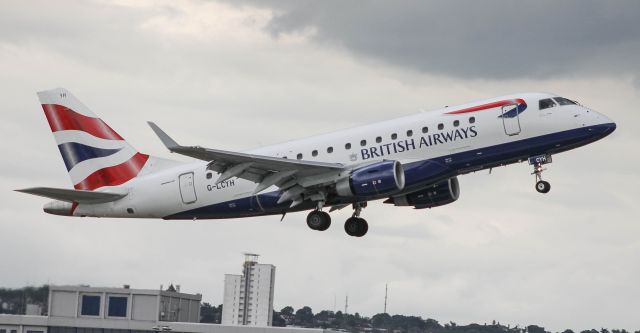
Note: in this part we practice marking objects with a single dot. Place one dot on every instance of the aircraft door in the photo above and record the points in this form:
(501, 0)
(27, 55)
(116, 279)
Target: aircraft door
(511, 119)
(187, 189)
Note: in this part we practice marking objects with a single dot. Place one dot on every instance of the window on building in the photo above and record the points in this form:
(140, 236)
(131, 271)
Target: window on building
(440, 126)
(425, 129)
(456, 123)
(394, 136)
(299, 156)
(472, 120)
(117, 306)
(347, 146)
(363, 142)
(90, 305)
(330, 150)
(2, 330)
(378, 139)
(34, 331)
(409, 133)
(314, 154)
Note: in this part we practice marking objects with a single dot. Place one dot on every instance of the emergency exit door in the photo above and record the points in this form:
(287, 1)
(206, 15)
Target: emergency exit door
(187, 189)
(511, 119)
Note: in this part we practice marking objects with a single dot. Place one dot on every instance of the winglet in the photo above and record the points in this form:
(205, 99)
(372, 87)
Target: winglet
(166, 139)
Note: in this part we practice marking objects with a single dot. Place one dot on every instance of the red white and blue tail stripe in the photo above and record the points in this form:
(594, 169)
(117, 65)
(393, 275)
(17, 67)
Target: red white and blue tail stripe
(94, 154)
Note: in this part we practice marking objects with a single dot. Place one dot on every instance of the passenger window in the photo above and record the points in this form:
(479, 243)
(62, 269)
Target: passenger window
(472, 120)
(330, 150)
(209, 175)
(425, 129)
(564, 101)
(456, 123)
(378, 139)
(363, 142)
(546, 103)
(409, 133)
(440, 126)
(314, 153)
(347, 146)
(394, 136)
(299, 156)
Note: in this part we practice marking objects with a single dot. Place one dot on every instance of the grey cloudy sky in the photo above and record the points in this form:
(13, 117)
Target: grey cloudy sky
(241, 75)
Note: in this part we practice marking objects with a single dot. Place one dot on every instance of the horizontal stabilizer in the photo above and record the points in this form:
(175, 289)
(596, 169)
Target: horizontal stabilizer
(79, 196)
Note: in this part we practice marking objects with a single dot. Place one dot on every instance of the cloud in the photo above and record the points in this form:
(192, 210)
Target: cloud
(213, 74)
(472, 39)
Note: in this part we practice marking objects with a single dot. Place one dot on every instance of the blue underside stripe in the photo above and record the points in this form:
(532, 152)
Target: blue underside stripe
(74, 153)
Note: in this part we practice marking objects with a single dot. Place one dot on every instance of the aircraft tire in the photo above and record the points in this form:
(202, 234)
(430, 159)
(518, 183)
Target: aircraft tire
(351, 226)
(363, 227)
(318, 220)
(543, 186)
(356, 227)
(326, 221)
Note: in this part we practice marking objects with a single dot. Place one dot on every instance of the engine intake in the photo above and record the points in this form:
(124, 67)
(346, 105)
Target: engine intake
(379, 178)
(438, 194)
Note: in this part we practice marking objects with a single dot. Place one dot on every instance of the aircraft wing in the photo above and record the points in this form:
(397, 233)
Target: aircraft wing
(296, 175)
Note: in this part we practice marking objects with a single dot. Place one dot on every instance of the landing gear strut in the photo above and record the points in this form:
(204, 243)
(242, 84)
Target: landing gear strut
(541, 185)
(355, 225)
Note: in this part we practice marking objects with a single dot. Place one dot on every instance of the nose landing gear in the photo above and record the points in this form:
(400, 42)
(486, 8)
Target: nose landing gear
(537, 162)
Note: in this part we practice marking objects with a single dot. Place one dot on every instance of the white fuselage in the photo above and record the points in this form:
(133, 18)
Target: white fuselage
(462, 142)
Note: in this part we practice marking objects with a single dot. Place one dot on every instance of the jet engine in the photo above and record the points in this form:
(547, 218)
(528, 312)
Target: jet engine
(438, 194)
(374, 179)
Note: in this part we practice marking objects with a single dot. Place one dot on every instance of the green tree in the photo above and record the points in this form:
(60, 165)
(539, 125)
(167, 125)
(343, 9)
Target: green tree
(381, 320)
(304, 317)
(277, 320)
(535, 329)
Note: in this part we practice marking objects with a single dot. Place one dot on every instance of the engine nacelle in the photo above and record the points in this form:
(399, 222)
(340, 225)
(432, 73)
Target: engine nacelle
(438, 194)
(379, 178)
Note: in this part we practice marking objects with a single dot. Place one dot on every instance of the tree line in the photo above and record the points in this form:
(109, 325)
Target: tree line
(382, 322)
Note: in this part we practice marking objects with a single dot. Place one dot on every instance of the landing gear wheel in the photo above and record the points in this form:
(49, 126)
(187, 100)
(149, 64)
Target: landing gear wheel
(356, 227)
(364, 227)
(319, 220)
(543, 186)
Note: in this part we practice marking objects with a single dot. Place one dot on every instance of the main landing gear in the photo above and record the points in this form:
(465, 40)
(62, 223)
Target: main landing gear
(354, 226)
(541, 185)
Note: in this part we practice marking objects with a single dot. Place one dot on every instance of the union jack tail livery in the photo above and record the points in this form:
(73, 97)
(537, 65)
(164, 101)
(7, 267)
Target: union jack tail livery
(94, 154)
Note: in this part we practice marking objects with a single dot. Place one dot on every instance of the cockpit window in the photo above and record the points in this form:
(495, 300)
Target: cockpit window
(546, 103)
(564, 101)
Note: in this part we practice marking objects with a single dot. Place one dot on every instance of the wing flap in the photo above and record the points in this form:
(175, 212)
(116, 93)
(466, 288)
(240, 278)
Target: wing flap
(69, 195)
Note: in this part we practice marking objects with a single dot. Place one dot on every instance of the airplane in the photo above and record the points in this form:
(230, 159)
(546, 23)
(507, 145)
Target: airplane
(412, 161)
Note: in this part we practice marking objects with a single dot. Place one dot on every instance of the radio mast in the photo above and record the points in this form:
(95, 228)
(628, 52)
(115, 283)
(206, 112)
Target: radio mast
(385, 297)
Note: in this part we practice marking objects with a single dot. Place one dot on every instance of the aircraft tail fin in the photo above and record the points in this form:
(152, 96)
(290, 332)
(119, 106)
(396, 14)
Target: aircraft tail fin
(94, 154)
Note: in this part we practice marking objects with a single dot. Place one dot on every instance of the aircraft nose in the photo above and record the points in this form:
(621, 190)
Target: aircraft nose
(603, 129)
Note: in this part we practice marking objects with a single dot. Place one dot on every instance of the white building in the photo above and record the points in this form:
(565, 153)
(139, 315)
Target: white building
(74, 309)
(248, 298)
